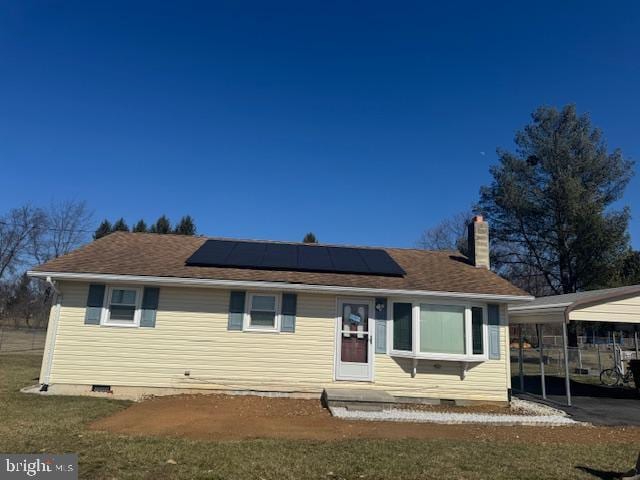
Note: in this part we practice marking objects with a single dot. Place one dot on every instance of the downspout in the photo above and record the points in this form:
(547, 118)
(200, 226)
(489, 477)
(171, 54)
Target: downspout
(54, 333)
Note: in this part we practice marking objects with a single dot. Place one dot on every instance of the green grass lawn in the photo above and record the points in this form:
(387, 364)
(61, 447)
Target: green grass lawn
(32, 424)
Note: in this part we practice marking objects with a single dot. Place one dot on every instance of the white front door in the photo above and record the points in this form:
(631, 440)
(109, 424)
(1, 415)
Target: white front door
(354, 340)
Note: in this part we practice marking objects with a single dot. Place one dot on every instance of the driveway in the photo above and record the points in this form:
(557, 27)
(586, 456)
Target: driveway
(590, 403)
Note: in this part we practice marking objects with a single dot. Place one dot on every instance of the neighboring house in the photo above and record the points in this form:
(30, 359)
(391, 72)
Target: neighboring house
(146, 313)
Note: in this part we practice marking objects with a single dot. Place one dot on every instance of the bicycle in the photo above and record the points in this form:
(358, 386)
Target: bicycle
(612, 377)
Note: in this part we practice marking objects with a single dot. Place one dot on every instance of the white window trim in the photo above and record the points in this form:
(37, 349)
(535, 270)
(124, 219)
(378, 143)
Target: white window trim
(415, 327)
(246, 322)
(106, 307)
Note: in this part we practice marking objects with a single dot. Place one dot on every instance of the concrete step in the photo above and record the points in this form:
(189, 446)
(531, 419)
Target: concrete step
(358, 399)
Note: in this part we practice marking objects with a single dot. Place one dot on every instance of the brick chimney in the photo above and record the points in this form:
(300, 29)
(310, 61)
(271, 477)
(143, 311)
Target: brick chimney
(478, 242)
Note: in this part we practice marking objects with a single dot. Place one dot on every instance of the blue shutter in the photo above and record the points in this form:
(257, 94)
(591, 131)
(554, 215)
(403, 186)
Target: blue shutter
(149, 307)
(236, 310)
(95, 299)
(494, 332)
(288, 315)
(381, 325)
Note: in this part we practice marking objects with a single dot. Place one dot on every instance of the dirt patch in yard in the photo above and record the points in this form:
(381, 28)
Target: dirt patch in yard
(228, 417)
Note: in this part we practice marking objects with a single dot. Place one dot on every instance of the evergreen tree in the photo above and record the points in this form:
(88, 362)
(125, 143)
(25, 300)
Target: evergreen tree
(549, 205)
(120, 226)
(310, 238)
(553, 230)
(140, 227)
(162, 225)
(103, 230)
(629, 272)
(186, 226)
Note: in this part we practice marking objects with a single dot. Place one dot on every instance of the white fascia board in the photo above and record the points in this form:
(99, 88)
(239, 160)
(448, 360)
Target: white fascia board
(298, 287)
(538, 308)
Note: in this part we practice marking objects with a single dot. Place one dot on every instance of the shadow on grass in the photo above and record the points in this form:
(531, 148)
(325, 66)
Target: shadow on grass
(604, 474)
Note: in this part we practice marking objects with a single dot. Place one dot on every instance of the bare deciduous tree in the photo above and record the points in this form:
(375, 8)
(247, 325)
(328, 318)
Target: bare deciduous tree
(68, 226)
(20, 230)
(449, 234)
(30, 235)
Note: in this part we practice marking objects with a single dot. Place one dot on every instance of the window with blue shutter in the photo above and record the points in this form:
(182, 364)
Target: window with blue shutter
(288, 314)
(381, 325)
(236, 310)
(95, 301)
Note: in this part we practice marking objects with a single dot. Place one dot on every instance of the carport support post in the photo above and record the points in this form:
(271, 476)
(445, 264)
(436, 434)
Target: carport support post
(542, 381)
(520, 358)
(567, 380)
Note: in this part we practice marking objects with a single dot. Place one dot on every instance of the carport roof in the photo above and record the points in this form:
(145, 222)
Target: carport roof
(571, 301)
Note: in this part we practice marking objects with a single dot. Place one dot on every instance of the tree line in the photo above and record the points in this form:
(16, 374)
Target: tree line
(186, 226)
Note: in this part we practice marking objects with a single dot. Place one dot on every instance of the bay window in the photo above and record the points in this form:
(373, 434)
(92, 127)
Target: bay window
(444, 331)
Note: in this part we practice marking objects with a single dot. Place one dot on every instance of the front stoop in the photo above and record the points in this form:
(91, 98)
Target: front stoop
(358, 399)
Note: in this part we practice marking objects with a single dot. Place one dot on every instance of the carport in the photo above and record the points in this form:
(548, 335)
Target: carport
(613, 305)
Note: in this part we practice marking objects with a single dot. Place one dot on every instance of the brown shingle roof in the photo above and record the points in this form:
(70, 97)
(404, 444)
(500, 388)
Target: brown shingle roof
(164, 256)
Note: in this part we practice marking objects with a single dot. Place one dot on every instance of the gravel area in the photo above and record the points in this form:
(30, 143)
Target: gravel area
(416, 416)
(517, 407)
(525, 407)
(521, 412)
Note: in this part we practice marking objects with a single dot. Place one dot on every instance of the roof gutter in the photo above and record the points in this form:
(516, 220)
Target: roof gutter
(299, 287)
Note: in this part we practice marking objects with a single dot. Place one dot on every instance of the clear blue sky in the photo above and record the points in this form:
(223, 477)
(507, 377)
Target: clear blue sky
(363, 122)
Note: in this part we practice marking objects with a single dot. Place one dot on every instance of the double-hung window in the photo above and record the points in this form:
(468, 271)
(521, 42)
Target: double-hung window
(444, 331)
(123, 306)
(262, 312)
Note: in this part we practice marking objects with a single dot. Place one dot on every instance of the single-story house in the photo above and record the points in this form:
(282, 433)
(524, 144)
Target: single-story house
(138, 314)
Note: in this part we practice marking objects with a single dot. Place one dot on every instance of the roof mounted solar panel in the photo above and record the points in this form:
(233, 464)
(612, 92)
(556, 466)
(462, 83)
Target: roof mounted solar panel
(247, 254)
(212, 252)
(294, 257)
(378, 260)
(348, 259)
(280, 256)
(314, 259)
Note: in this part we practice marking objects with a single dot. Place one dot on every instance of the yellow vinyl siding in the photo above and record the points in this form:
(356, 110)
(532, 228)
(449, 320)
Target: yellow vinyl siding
(191, 335)
(625, 310)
